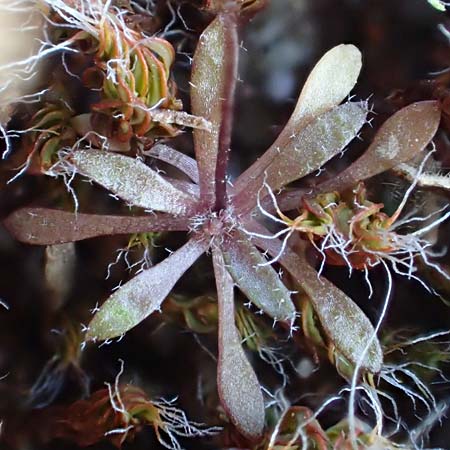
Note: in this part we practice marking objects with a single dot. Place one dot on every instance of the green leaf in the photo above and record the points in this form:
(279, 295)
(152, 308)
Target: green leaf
(345, 324)
(238, 386)
(402, 137)
(143, 294)
(131, 180)
(309, 149)
(342, 320)
(329, 83)
(260, 283)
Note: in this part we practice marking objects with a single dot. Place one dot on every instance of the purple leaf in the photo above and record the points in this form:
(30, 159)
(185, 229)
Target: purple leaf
(316, 144)
(212, 89)
(186, 186)
(341, 318)
(309, 149)
(402, 137)
(345, 324)
(143, 294)
(330, 82)
(131, 180)
(182, 162)
(260, 283)
(239, 389)
(42, 226)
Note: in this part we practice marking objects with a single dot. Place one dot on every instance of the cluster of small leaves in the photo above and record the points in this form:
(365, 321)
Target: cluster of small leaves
(128, 91)
(298, 428)
(116, 413)
(232, 220)
(350, 230)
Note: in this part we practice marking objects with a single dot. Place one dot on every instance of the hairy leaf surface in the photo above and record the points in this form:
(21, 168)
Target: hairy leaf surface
(345, 324)
(239, 389)
(208, 90)
(260, 283)
(316, 144)
(402, 137)
(306, 151)
(131, 180)
(142, 295)
(328, 84)
(44, 226)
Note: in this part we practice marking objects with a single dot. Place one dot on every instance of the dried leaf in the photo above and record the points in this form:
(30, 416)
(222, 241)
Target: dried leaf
(330, 82)
(142, 295)
(181, 118)
(208, 91)
(317, 143)
(131, 180)
(239, 389)
(89, 421)
(259, 282)
(84, 422)
(43, 226)
(59, 269)
(402, 137)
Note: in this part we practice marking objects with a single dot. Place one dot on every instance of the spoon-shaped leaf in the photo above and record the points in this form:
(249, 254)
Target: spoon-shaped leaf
(345, 324)
(239, 389)
(330, 82)
(402, 137)
(43, 226)
(308, 150)
(316, 144)
(142, 295)
(177, 159)
(212, 81)
(131, 180)
(260, 283)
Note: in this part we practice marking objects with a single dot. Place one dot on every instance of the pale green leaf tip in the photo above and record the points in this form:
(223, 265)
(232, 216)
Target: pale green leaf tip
(112, 320)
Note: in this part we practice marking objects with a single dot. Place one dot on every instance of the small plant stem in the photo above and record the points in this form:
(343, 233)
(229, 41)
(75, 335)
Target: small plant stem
(230, 67)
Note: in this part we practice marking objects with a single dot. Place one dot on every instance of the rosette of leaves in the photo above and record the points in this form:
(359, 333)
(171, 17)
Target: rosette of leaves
(224, 220)
(128, 73)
